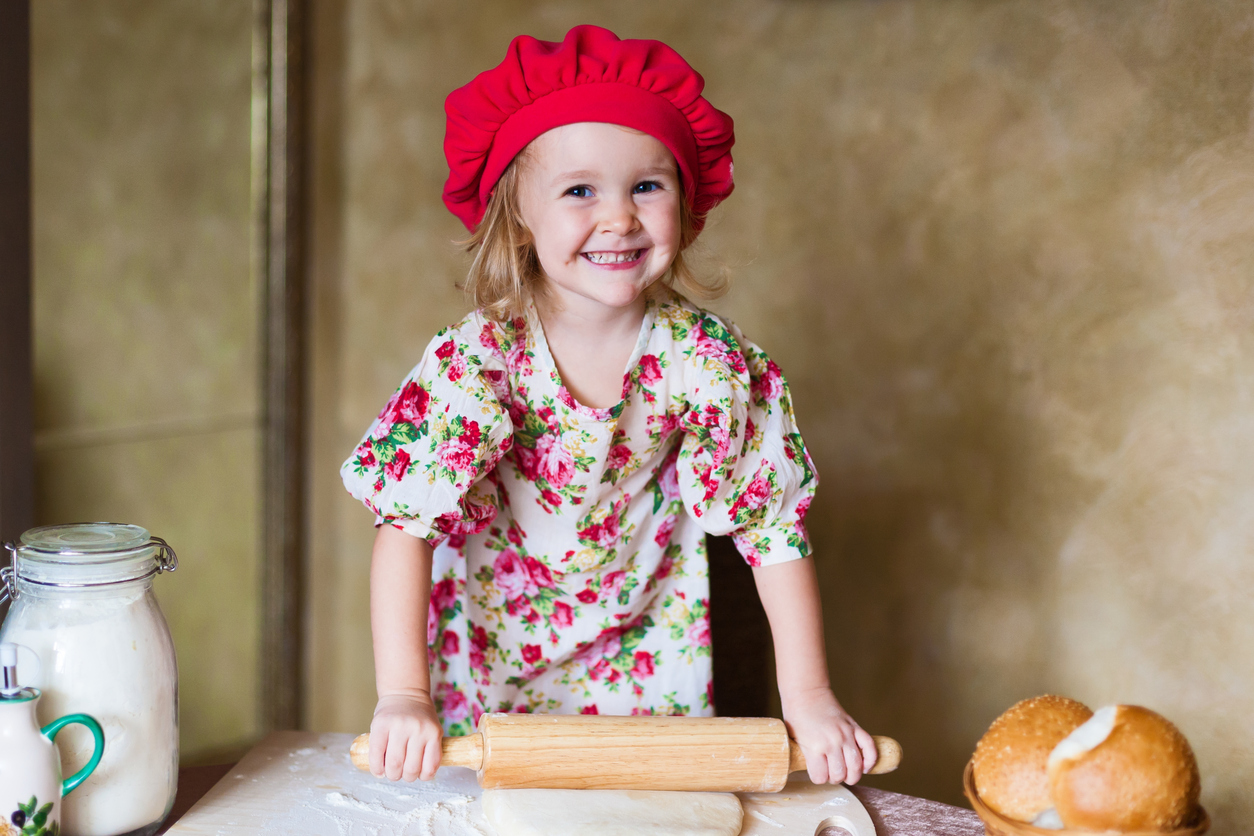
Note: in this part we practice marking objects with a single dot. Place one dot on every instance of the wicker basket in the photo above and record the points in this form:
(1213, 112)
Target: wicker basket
(995, 824)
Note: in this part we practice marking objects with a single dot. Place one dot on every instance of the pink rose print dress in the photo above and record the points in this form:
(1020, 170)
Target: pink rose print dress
(570, 565)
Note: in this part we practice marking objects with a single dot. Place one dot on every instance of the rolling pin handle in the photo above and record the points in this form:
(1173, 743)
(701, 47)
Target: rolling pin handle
(463, 751)
(455, 751)
(889, 758)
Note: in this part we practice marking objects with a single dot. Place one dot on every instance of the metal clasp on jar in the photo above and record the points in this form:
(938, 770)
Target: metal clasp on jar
(167, 560)
(8, 574)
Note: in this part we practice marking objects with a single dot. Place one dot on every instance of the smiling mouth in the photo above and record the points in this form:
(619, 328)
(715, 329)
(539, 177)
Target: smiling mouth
(613, 258)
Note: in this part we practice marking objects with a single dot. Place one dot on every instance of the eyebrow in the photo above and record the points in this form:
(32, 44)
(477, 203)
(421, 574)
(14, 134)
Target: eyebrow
(591, 175)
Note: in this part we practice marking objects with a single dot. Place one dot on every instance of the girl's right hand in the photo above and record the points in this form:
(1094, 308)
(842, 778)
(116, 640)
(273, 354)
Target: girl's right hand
(405, 737)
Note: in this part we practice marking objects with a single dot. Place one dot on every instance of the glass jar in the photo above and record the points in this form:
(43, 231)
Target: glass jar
(83, 602)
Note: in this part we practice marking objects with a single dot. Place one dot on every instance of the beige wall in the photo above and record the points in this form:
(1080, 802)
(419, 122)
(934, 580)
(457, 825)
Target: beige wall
(146, 317)
(1003, 250)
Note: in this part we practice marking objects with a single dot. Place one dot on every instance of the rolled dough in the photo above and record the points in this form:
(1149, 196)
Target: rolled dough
(612, 813)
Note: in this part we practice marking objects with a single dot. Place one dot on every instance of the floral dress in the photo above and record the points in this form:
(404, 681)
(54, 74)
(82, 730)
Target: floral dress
(569, 568)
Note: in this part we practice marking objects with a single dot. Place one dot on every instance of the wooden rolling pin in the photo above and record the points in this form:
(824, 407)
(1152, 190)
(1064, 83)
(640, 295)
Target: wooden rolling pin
(695, 754)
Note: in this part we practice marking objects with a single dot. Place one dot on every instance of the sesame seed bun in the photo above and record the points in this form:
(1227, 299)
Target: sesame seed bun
(1127, 768)
(1009, 766)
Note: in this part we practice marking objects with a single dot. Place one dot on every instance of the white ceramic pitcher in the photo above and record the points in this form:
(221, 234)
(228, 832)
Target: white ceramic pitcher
(30, 767)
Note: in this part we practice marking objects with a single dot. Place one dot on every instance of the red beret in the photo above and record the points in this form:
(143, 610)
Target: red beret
(591, 76)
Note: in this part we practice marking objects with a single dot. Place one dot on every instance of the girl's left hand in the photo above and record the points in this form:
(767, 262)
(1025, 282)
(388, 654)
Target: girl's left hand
(837, 749)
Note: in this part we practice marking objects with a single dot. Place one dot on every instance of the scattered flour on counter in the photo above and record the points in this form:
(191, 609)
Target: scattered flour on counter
(764, 817)
(408, 791)
(339, 799)
(835, 801)
(356, 816)
(301, 764)
(384, 810)
(330, 797)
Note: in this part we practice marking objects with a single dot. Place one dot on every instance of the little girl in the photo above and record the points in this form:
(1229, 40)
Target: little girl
(545, 478)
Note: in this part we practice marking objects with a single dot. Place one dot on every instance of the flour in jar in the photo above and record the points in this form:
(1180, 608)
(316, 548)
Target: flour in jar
(110, 657)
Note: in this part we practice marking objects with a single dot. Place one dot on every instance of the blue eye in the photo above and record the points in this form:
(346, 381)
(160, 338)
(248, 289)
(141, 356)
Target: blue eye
(579, 191)
(647, 186)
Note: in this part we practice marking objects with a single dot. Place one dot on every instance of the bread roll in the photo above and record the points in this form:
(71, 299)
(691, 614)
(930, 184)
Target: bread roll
(1010, 760)
(1125, 769)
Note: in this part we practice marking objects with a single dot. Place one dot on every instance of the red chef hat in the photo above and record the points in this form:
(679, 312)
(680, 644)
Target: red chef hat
(591, 76)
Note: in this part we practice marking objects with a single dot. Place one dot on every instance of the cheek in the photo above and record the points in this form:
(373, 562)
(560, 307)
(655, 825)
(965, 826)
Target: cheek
(564, 239)
(664, 226)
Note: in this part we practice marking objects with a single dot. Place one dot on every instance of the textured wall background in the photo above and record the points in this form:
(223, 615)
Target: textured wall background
(146, 318)
(1004, 252)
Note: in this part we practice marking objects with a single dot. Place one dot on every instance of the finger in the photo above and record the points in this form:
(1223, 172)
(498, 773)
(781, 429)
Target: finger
(835, 767)
(394, 761)
(816, 767)
(867, 744)
(853, 763)
(378, 747)
(413, 760)
(431, 758)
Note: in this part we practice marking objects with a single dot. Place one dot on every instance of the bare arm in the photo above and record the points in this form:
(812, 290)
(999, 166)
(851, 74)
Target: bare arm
(405, 731)
(836, 748)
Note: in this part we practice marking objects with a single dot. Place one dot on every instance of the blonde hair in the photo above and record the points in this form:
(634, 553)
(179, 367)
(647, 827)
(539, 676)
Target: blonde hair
(505, 270)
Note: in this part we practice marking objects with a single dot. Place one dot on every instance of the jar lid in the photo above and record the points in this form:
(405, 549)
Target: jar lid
(86, 538)
(91, 554)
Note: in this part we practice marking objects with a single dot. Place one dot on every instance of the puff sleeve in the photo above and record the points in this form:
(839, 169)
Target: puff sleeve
(743, 469)
(422, 464)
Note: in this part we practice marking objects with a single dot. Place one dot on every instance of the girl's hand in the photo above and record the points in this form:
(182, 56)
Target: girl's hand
(405, 737)
(836, 748)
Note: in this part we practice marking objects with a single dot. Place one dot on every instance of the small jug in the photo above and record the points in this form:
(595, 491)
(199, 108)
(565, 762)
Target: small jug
(30, 767)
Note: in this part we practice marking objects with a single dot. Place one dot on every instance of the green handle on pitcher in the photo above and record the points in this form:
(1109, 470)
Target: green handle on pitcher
(50, 731)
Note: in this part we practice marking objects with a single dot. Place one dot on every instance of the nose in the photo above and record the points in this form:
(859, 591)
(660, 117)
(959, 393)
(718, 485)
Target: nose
(617, 215)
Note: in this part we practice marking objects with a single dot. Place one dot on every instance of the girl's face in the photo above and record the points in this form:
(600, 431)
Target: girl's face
(602, 204)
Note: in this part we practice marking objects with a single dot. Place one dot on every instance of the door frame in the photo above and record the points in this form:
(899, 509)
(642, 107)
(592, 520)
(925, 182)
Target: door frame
(279, 140)
(17, 469)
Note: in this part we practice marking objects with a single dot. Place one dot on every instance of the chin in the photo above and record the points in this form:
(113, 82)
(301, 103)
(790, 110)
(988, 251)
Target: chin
(621, 296)
(616, 301)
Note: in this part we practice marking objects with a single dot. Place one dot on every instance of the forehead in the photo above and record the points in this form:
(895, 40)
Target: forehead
(596, 147)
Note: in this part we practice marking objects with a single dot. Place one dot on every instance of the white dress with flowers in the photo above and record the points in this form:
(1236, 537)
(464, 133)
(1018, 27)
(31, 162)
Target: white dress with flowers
(570, 566)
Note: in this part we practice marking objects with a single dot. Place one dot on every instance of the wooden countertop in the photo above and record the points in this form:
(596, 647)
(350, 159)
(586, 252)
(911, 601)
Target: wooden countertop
(894, 814)
(194, 782)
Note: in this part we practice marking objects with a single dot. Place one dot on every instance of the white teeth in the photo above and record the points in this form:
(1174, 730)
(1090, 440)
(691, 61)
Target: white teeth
(612, 258)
